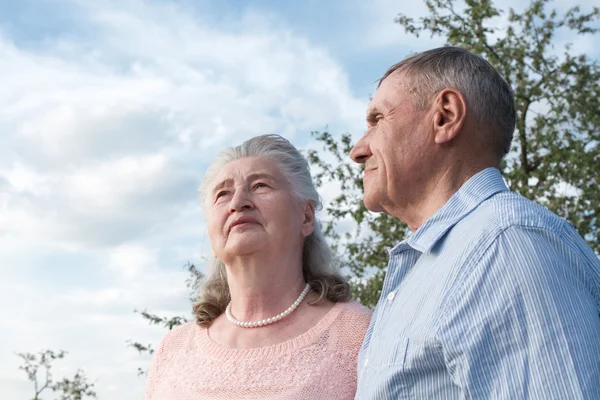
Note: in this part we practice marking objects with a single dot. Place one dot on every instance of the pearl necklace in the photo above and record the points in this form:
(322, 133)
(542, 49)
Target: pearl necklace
(267, 321)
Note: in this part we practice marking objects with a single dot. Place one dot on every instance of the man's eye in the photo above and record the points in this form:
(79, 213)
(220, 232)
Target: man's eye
(221, 194)
(374, 119)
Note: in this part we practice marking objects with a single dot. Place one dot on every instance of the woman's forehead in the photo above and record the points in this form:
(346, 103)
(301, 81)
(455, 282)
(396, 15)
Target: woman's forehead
(246, 169)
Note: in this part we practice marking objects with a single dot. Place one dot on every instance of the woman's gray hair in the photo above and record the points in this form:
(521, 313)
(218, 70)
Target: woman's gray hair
(487, 94)
(317, 256)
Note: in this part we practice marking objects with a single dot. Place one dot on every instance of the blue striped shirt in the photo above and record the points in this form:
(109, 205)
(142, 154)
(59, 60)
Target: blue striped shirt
(494, 297)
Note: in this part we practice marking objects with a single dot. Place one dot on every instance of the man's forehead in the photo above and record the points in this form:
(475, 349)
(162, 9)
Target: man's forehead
(392, 88)
(397, 80)
(381, 104)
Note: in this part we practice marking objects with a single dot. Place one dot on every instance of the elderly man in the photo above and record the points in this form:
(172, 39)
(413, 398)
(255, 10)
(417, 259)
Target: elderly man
(493, 296)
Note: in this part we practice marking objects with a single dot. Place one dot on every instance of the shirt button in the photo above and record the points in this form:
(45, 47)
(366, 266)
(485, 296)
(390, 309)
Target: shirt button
(391, 296)
(366, 361)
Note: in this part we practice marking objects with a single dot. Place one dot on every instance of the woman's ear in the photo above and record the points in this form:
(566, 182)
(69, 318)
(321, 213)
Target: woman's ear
(308, 224)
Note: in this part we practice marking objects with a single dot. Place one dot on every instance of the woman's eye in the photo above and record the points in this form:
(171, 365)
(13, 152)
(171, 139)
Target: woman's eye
(260, 185)
(221, 194)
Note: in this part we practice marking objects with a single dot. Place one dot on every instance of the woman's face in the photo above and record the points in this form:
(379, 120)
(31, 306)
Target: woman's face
(250, 208)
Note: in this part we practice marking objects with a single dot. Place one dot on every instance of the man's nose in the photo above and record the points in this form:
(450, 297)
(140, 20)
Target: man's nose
(361, 150)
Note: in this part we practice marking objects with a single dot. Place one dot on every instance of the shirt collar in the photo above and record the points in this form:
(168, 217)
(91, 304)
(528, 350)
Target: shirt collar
(472, 193)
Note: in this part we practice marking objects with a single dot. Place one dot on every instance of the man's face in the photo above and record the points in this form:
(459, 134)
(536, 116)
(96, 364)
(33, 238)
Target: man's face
(395, 147)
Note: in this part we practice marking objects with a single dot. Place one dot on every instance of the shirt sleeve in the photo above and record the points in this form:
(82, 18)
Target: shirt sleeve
(523, 321)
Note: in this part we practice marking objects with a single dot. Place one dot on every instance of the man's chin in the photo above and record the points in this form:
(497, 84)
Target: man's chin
(372, 205)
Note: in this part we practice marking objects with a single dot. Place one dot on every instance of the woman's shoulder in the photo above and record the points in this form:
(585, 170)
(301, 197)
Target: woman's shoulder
(346, 330)
(353, 309)
(354, 317)
(179, 335)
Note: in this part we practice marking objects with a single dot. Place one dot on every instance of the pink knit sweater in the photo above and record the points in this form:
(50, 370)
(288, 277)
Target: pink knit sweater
(318, 364)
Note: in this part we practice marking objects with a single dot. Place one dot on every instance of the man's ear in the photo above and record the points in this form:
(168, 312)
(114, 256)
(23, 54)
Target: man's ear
(450, 115)
(308, 225)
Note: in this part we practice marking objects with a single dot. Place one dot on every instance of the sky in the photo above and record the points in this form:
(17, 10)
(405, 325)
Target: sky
(110, 111)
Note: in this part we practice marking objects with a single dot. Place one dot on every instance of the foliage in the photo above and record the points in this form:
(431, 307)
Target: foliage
(554, 159)
(364, 248)
(76, 388)
(192, 283)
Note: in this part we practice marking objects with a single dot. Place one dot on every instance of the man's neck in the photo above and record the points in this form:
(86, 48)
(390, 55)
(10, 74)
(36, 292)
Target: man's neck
(435, 194)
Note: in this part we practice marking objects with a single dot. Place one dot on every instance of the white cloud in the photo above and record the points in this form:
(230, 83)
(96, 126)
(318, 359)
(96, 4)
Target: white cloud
(130, 260)
(87, 310)
(383, 32)
(104, 140)
(157, 90)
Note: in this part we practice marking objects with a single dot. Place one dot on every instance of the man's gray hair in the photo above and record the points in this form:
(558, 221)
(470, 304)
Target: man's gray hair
(317, 257)
(488, 95)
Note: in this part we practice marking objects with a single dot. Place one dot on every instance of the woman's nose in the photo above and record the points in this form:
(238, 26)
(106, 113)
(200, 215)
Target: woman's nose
(240, 201)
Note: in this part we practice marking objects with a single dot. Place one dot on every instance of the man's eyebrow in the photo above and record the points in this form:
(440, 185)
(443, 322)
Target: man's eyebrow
(372, 112)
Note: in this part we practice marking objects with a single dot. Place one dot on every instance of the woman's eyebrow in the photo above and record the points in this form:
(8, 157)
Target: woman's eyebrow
(222, 184)
(261, 175)
(252, 177)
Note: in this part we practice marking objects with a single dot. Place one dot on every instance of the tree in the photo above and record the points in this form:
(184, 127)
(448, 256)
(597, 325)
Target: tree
(192, 283)
(557, 96)
(554, 159)
(363, 249)
(76, 388)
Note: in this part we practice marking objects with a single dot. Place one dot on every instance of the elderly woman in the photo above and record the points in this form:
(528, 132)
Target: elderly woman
(273, 320)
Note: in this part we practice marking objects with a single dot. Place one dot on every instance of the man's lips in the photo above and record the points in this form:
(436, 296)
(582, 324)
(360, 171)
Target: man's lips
(368, 170)
(242, 220)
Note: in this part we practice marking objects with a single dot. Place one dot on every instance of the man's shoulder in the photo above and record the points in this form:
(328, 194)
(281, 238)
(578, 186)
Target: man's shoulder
(508, 213)
(509, 209)
(509, 220)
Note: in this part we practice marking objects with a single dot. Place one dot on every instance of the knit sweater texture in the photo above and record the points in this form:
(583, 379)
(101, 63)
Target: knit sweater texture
(318, 364)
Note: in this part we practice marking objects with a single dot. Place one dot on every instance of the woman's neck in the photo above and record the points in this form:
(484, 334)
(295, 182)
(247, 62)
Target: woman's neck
(263, 287)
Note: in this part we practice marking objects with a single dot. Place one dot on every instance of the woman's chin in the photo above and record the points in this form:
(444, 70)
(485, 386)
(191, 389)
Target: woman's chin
(245, 245)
